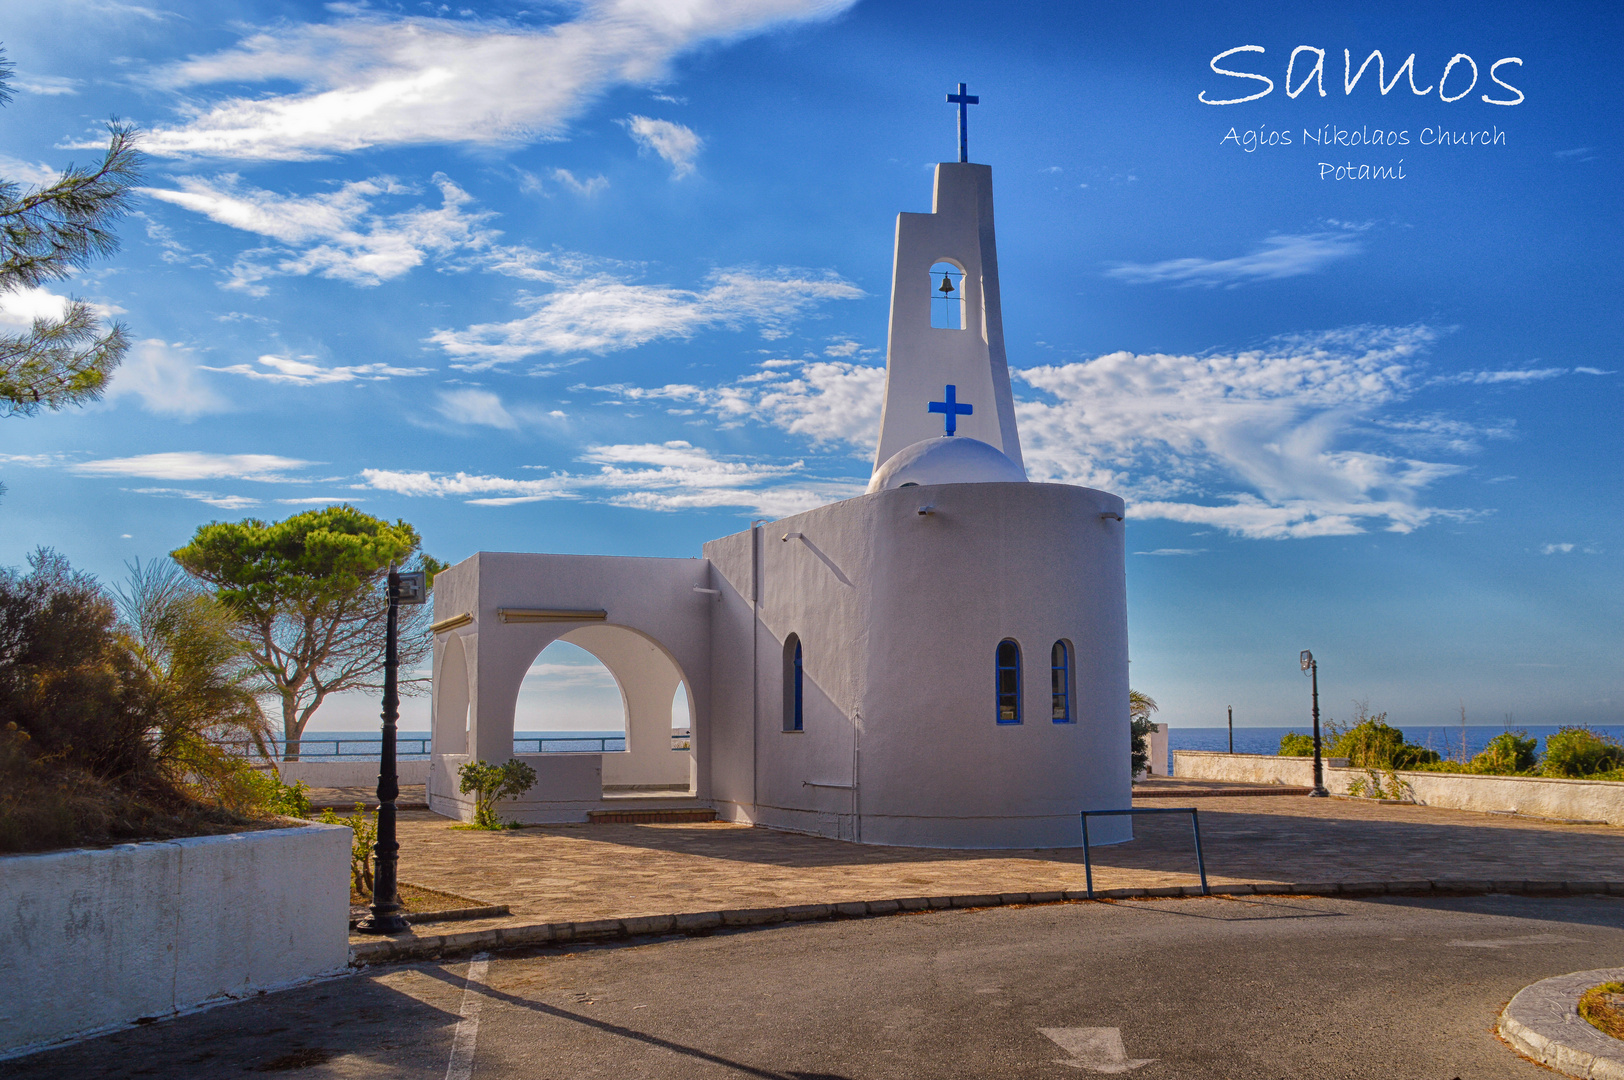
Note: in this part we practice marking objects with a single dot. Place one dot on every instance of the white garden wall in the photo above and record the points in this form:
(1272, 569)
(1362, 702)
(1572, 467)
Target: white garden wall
(93, 939)
(1535, 796)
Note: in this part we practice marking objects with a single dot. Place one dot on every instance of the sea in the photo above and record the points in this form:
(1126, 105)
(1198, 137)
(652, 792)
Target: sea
(1448, 740)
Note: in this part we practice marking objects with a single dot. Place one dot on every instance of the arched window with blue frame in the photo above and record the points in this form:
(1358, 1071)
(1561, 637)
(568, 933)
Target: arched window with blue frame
(1060, 682)
(1008, 681)
(794, 683)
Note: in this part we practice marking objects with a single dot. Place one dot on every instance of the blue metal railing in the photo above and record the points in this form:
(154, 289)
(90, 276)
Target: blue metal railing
(410, 749)
(1195, 826)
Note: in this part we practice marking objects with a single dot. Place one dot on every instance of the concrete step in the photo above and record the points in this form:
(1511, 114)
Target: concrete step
(650, 817)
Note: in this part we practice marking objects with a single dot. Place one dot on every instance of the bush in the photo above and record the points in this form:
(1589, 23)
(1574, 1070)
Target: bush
(364, 831)
(1372, 743)
(108, 721)
(1575, 752)
(1511, 753)
(492, 782)
(1296, 744)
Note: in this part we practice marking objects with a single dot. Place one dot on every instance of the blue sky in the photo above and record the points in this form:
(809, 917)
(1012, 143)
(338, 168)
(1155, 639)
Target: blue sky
(613, 277)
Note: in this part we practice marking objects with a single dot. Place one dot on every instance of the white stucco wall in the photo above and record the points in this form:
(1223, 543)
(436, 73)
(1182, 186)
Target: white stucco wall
(357, 773)
(92, 939)
(1584, 800)
(1248, 768)
(900, 615)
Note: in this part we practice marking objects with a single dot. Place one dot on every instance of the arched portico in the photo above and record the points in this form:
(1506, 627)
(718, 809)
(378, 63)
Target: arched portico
(646, 620)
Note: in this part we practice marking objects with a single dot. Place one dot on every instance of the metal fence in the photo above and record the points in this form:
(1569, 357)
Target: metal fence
(417, 749)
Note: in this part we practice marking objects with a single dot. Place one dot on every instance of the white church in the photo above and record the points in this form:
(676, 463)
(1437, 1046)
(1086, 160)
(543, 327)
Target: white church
(939, 662)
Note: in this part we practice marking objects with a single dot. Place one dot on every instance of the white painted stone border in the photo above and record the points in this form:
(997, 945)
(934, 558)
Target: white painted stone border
(93, 939)
(1543, 1022)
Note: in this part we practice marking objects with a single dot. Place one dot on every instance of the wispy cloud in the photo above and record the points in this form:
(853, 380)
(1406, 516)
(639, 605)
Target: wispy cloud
(370, 79)
(471, 406)
(677, 144)
(651, 476)
(28, 172)
(1566, 548)
(1490, 378)
(602, 312)
(211, 498)
(1281, 256)
(1173, 551)
(196, 465)
(46, 85)
(338, 234)
(301, 372)
(165, 378)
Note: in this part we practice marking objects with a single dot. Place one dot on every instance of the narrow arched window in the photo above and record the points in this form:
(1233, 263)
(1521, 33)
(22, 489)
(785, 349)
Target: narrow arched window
(1008, 675)
(794, 681)
(946, 296)
(1060, 682)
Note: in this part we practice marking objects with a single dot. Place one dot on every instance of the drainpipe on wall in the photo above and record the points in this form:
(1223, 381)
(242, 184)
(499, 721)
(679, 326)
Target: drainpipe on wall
(756, 559)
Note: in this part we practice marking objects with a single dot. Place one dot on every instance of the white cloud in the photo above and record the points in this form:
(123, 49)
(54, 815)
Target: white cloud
(1288, 440)
(470, 406)
(677, 144)
(651, 476)
(46, 85)
(196, 465)
(1592, 371)
(1277, 257)
(224, 502)
(600, 312)
(1489, 378)
(1569, 549)
(1173, 551)
(20, 307)
(321, 500)
(338, 234)
(165, 377)
(301, 372)
(588, 187)
(1260, 436)
(28, 172)
(368, 79)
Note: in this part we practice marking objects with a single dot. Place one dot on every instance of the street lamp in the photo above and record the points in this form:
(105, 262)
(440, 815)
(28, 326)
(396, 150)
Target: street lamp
(386, 917)
(1311, 669)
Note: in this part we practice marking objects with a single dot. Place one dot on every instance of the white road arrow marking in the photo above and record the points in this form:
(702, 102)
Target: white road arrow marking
(1097, 1049)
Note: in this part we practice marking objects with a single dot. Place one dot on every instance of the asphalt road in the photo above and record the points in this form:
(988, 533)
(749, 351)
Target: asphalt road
(1161, 990)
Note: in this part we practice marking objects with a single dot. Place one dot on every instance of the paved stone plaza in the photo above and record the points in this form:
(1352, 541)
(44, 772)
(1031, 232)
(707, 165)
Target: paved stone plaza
(586, 872)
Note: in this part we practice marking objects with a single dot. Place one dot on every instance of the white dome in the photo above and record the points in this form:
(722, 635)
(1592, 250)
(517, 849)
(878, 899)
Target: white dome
(947, 459)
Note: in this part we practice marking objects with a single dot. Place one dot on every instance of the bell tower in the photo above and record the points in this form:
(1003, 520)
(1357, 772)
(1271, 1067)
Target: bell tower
(946, 374)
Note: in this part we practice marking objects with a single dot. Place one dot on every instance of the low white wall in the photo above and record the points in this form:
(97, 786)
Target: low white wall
(567, 786)
(93, 939)
(1585, 800)
(1249, 768)
(1156, 745)
(357, 773)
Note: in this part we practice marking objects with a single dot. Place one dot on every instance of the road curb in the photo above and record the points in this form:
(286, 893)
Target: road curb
(1543, 1022)
(405, 947)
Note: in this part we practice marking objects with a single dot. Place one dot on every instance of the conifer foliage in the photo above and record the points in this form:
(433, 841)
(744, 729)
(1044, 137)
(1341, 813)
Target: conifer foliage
(47, 233)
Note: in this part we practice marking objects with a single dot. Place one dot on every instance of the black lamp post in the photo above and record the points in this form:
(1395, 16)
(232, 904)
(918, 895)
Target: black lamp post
(386, 917)
(1311, 669)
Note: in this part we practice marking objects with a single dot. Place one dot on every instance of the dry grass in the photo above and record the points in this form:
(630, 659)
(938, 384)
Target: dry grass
(1603, 1007)
(417, 899)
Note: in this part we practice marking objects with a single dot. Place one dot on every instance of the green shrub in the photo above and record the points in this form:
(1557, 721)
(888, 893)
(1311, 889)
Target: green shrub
(364, 830)
(1575, 752)
(1372, 743)
(1296, 744)
(488, 783)
(1510, 753)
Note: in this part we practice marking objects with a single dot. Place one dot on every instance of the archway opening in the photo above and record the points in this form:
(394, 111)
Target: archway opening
(569, 701)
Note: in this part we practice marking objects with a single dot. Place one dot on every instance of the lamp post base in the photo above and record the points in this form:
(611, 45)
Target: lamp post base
(1319, 793)
(391, 922)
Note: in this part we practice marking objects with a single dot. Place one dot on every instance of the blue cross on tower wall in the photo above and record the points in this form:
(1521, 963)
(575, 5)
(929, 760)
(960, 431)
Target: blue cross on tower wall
(953, 408)
(963, 101)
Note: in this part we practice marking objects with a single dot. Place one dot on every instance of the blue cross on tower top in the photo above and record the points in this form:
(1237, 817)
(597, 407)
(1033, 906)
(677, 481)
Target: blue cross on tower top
(953, 408)
(963, 101)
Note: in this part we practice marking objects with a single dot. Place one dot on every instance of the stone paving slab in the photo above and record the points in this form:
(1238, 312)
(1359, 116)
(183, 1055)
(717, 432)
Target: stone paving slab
(582, 873)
